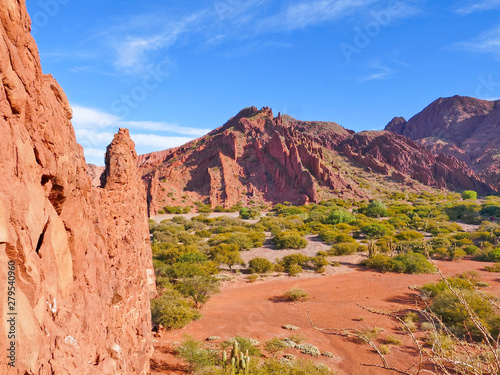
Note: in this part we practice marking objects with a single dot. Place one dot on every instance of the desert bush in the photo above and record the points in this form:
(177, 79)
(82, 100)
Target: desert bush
(226, 254)
(242, 240)
(319, 263)
(375, 209)
(489, 255)
(392, 340)
(454, 314)
(249, 213)
(185, 270)
(375, 230)
(289, 240)
(260, 265)
(293, 259)
(293, 270)
(408, 235)
(296, 295)
(274, 345)
(172, 311)
(339, 216)
(252, 278)
(299, 367)
(195, 354)
(346, 248)
(412, 263)
(469, 195)
(493, 268)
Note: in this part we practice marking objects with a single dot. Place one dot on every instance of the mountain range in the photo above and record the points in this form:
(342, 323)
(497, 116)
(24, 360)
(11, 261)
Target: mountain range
(257, 157)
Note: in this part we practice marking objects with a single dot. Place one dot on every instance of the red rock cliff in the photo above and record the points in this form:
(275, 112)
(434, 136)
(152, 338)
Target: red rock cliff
(82, 254)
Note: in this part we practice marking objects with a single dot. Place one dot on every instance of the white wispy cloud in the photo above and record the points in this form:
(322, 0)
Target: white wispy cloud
(91, 118)
(95, 130)
(488, 43)
(379, 71)
(309, 13)
(132, 53)
(478, 6)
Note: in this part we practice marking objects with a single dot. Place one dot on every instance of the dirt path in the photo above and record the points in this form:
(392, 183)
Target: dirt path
(251, 310)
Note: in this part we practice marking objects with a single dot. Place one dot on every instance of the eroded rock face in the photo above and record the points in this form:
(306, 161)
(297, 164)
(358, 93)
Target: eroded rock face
(388, 153)
(463, 127)
(82, 254)
(256, 157)
(253, 157)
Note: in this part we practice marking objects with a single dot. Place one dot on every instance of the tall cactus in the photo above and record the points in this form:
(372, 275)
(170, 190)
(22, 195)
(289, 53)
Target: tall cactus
(240, 362)
(372, 248)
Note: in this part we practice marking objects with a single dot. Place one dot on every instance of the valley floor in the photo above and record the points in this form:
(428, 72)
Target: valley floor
(254, 310)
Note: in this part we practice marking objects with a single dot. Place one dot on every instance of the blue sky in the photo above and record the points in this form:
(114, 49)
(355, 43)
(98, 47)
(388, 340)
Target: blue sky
(170, 71)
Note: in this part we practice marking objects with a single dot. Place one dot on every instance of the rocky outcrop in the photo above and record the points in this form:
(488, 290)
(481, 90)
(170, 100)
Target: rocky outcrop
(253, 157)
(82, 259)
(463, 127)
(256, 157)
(391, 154)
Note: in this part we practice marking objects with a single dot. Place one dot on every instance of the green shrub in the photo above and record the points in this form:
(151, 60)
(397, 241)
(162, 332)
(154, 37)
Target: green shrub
(346, 248)
(493, 268)
(455, 315)
(293, 270)
(260, 265)
(299, 367)
(296, 295)
(375, 230)
(492, 255)
(289, 240)
(274, 345)
(412, 263)
(195, 354)
(340, 216)
(249, 213)
(469, 194)
(226, 254)
(319, 263)
(375, 209)
(252, 278)
(172, 311)
(408, 235)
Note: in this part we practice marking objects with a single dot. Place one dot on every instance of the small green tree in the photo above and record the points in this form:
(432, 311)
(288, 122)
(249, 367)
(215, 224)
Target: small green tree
(199, 288)
(376, 209)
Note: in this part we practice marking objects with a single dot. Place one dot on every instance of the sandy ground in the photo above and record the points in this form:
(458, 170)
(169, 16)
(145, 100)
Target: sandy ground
(254, 310)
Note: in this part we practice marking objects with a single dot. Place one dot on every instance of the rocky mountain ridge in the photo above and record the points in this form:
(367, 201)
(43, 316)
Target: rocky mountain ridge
(81, 258)
(464, 127)
(256, 157)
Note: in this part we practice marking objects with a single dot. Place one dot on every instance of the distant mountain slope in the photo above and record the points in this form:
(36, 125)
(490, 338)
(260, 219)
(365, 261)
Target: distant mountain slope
(261, 158)
(464, 127)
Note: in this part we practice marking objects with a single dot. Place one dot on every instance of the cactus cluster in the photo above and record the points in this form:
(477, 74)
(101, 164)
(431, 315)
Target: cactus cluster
(238, 363)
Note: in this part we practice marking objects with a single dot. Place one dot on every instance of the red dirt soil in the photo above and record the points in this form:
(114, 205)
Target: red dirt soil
(251, 310)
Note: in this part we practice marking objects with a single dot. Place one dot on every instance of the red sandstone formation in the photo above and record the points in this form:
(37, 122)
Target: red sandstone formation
(258, 157)
(463, 127)
(82, 256)
(382, 151)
